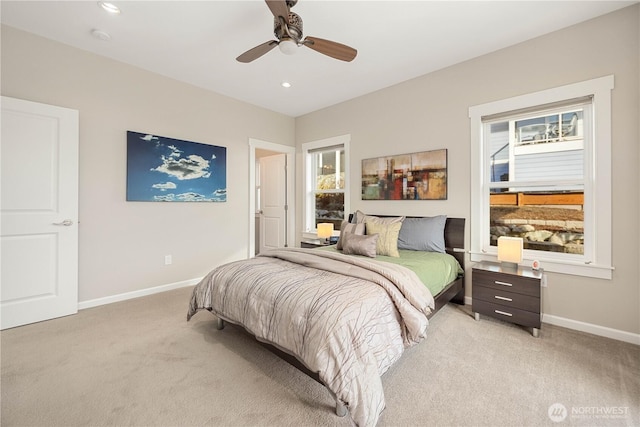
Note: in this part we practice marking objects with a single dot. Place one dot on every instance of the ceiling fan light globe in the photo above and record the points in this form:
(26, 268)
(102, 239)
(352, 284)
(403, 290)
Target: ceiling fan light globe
(288, 47)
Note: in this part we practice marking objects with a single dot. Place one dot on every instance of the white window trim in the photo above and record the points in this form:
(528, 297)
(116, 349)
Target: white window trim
(309, 201)
(598, 261)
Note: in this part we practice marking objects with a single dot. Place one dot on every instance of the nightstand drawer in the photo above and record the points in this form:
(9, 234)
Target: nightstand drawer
(513, 315)
(507, 299)
(507, 282)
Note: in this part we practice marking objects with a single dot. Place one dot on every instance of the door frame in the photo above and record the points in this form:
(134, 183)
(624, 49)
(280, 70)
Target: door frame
(291, 167)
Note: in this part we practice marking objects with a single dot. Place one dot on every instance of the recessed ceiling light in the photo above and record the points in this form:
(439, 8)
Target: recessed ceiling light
(109, 7)
(285, 84)
(101, 35)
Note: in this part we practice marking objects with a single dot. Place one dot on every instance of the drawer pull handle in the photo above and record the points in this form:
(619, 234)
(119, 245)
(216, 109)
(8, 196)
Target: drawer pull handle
(503, 298)
(504, 313)
(497, 282)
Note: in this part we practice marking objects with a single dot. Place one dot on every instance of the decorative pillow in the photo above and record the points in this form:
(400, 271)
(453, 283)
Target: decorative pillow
(348, 228)
(388, 237)
(360, 217)
(423, 234)
(356, 244)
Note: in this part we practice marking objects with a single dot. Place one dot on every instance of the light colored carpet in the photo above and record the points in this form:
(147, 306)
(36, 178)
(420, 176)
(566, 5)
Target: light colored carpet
(139, 363)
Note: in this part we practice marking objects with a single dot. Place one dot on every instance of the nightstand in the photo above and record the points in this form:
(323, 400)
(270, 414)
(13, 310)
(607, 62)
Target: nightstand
(508, 294)
(310, 244)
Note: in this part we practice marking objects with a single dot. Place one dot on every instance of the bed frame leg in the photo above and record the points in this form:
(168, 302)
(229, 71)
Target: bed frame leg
(220, 325)
(341, 409)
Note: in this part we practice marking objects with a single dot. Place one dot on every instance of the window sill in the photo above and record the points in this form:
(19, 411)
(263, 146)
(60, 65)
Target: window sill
(562, 267)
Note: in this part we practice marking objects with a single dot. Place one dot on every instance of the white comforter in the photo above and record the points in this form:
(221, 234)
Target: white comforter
(347, 318)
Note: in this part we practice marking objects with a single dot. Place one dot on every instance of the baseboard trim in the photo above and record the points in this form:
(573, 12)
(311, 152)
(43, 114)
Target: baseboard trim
(589, 328)
(136, 294)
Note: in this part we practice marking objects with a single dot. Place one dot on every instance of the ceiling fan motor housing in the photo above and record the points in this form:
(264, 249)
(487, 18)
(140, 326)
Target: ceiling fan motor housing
(294, 25)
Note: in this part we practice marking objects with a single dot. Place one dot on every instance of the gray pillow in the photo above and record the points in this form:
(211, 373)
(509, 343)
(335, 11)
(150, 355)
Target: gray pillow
(423, 234)
(349, 228)
(355, 244)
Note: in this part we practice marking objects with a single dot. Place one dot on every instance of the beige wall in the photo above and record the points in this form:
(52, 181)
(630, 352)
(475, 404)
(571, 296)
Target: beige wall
(123, 244)
(431, 112)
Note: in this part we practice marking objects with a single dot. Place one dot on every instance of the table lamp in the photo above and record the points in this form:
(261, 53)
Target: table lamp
(510, 251)
(325, 230)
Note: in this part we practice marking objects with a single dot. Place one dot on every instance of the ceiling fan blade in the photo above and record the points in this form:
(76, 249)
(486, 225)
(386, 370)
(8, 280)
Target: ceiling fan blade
(257, 51)
(332, 49)
(278, 8)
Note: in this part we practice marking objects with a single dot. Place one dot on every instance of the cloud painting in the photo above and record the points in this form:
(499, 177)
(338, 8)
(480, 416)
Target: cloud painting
(163, 169)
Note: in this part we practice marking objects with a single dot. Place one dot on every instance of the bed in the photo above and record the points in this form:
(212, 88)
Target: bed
(341, 317)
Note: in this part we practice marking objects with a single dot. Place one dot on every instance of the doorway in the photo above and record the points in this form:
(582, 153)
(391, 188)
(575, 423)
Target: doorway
(273, 155)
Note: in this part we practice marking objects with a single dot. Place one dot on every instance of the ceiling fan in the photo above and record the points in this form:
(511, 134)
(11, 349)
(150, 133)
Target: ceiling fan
(287, 27)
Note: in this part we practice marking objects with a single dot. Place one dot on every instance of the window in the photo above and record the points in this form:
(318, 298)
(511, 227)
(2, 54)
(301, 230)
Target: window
(326, 182)
(536, 163)
(541, 171)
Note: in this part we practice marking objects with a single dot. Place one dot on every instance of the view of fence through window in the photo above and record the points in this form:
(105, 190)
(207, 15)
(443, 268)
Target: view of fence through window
(329, 190)
(552, 222)
(330, 208)
(537, 180)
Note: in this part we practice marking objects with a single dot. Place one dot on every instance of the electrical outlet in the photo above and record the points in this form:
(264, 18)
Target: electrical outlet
(167, 260)
(543, 282)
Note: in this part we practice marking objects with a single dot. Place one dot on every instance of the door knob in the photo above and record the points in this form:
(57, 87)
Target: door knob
(66, 223)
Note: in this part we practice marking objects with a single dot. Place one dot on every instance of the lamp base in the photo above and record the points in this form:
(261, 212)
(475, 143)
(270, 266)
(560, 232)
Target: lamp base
(509, 265)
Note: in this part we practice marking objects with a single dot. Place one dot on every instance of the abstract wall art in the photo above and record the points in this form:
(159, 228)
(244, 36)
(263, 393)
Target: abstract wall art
(415, 176)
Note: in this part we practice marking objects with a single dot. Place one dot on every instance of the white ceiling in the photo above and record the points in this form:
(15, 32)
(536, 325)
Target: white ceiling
(197, 41)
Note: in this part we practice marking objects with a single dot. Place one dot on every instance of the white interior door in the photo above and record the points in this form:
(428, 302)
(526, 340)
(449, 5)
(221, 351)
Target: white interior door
(39, 205)
(273, 200)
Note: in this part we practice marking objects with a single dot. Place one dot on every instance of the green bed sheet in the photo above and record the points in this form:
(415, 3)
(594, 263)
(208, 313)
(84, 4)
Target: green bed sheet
(436, 270)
